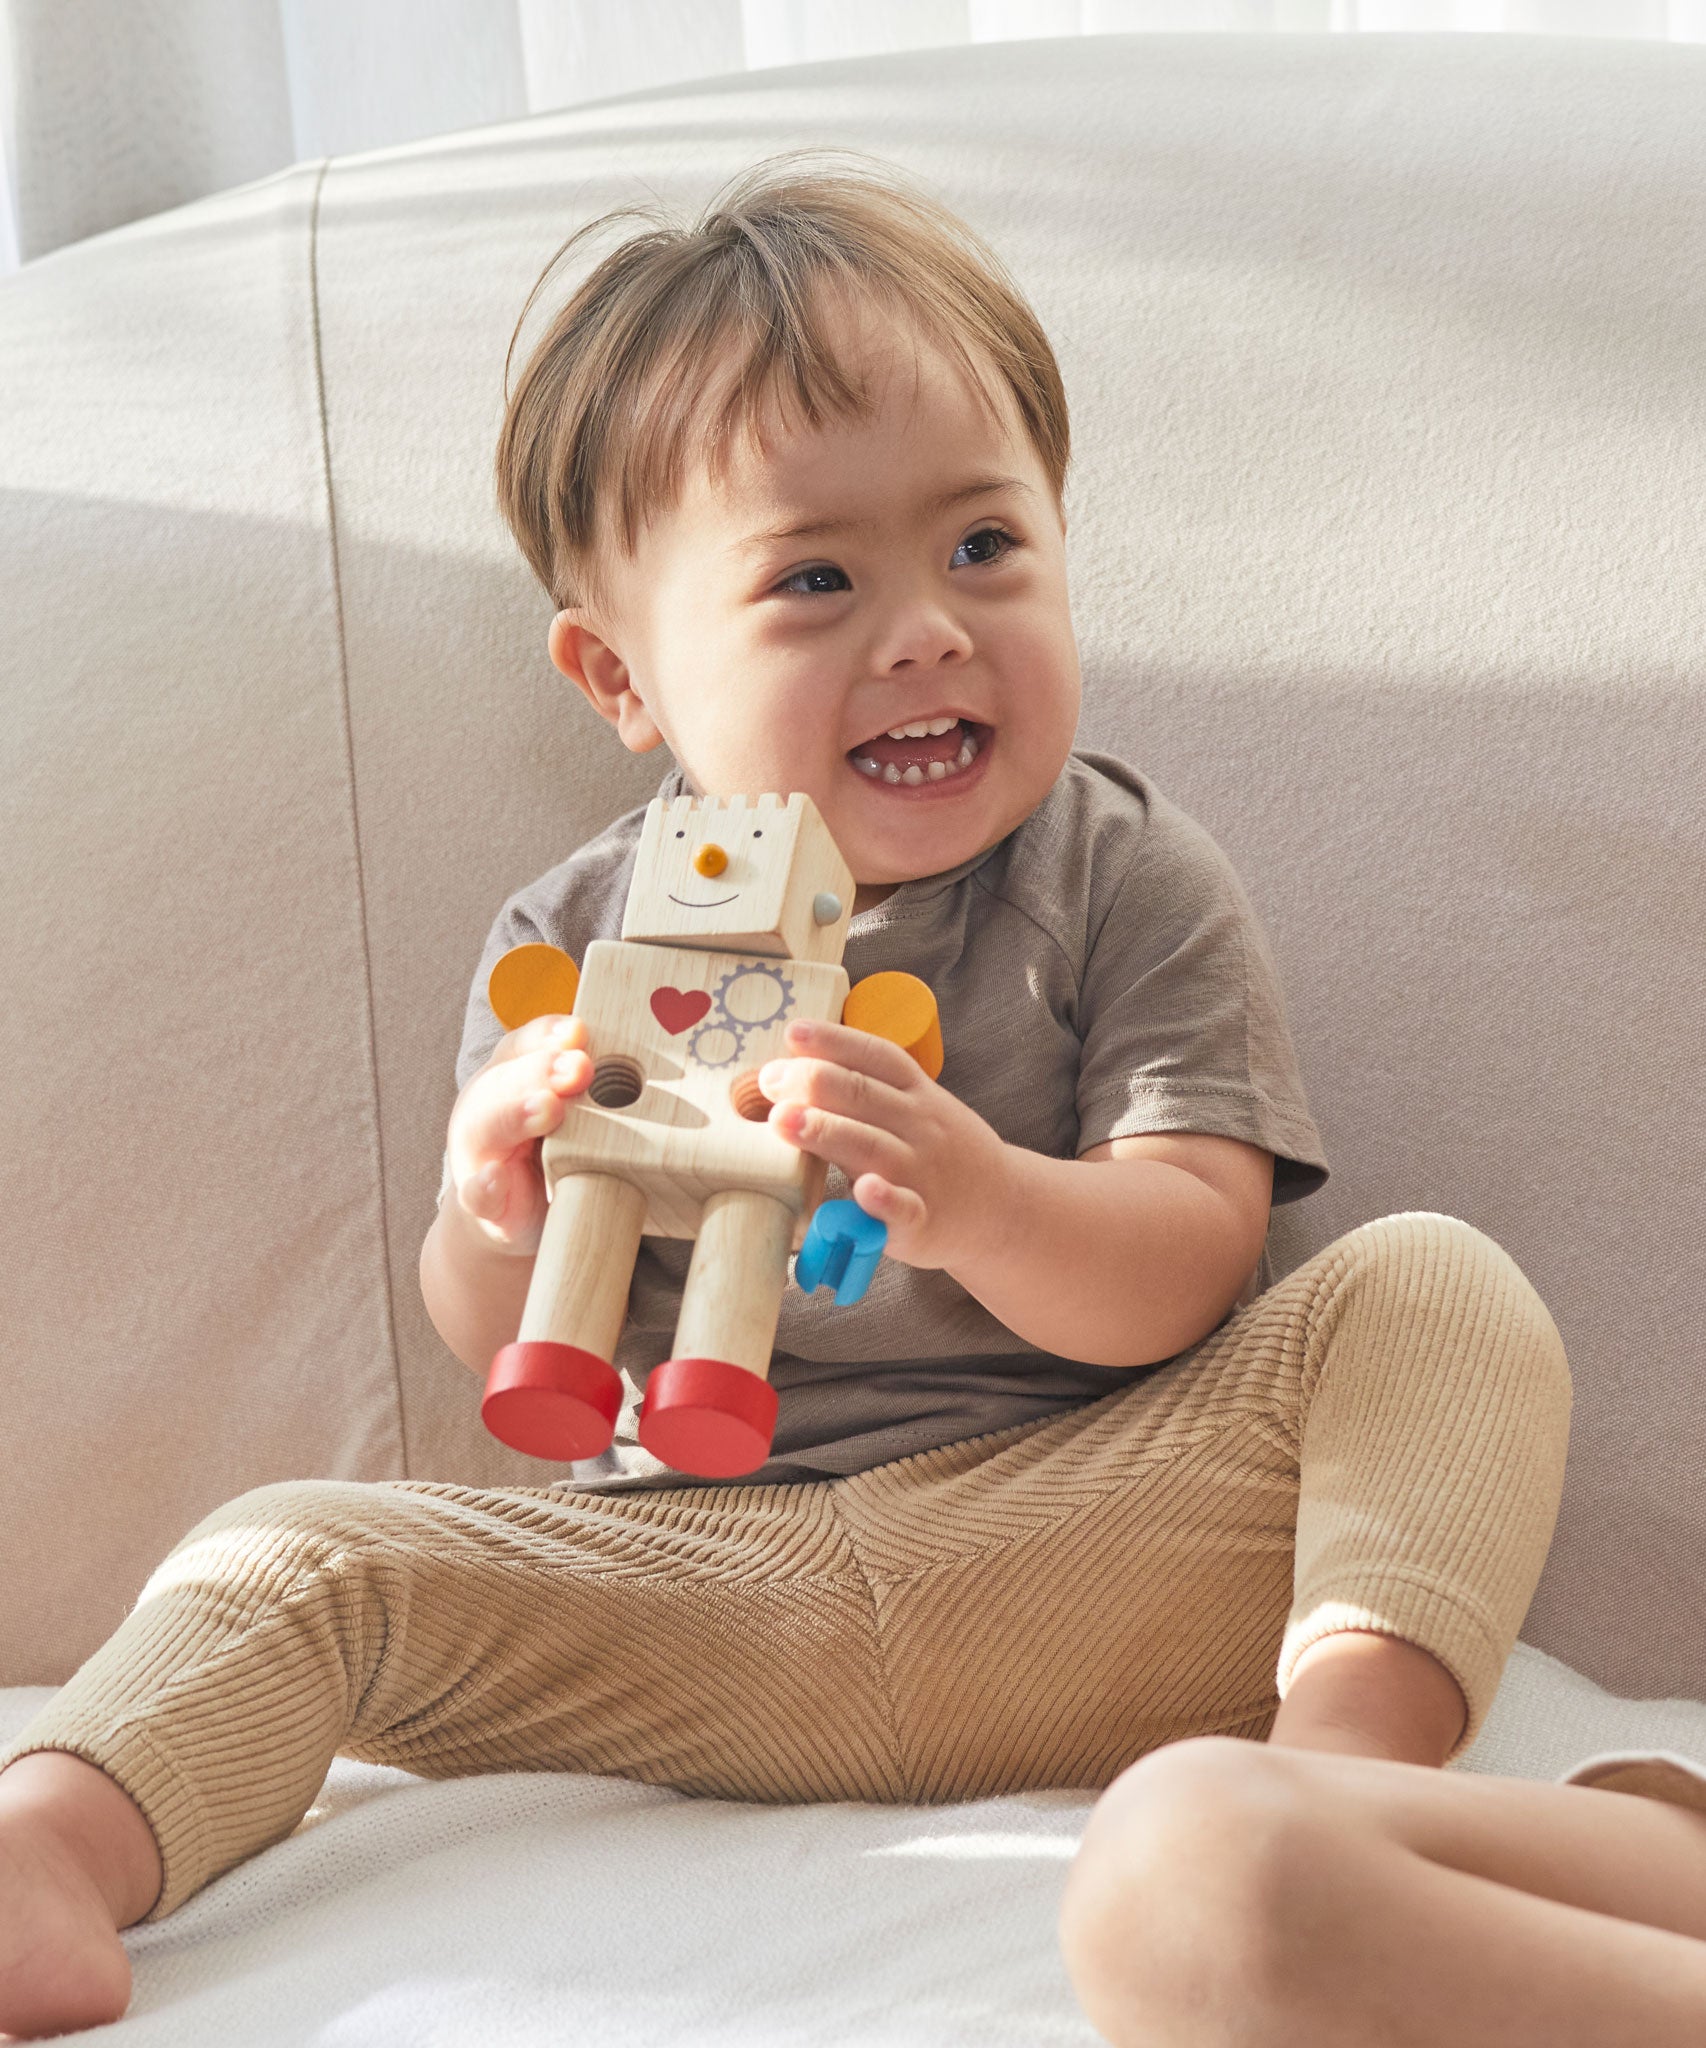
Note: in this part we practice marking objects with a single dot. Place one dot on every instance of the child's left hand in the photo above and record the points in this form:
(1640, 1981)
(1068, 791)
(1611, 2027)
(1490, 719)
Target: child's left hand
(916, 1157)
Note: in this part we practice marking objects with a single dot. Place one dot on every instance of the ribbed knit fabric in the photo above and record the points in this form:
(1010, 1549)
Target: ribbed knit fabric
(1377, 1443)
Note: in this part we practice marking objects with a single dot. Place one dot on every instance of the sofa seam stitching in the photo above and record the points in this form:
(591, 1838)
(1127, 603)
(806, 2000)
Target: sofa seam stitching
(354, 809)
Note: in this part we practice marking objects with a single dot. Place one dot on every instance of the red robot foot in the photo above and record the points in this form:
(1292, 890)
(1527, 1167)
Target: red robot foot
(552, 1400)
(707, 1417)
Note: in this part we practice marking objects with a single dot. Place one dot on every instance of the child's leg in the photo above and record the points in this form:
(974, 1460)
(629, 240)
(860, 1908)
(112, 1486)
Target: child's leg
(1373, 1448)
(1435, 1418)
(714, 1639)
(1363, 1694)
(1226, 1893)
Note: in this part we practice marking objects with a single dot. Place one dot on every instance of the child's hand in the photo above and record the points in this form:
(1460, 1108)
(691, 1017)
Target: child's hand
(918, 1159)
(499, 1119)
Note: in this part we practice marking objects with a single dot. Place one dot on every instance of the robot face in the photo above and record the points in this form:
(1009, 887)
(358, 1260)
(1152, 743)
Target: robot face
(759, 876)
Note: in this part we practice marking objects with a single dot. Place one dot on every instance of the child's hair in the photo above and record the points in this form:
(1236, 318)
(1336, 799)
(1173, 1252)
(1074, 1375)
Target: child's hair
(596, 434)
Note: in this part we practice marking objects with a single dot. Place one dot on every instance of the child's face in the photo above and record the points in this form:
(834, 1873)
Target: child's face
(783, 662)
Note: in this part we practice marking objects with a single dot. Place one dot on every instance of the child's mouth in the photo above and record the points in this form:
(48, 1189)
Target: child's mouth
(928, 755)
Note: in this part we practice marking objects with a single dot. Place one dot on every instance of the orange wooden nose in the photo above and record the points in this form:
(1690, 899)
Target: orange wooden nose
(710, 859)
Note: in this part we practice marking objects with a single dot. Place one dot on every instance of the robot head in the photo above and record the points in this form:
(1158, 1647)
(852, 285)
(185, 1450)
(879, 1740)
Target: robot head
(740, 876)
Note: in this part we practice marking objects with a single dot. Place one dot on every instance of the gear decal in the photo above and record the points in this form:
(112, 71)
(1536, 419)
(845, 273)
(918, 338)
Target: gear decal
(751, 997)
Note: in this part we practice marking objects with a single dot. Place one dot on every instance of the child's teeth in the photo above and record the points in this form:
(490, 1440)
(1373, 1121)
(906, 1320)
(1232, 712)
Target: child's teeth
(931, 728)
(917, 772)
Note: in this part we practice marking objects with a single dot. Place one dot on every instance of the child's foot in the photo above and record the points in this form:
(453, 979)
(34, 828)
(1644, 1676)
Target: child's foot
(62, 1965)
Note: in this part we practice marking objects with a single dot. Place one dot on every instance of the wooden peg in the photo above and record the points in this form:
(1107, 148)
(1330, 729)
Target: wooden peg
(532, 981)
(902, 1009)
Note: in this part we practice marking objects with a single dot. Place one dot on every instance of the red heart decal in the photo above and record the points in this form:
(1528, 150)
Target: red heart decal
(676, 1008)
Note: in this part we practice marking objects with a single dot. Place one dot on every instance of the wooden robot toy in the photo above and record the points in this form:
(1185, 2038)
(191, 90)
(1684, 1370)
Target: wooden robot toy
(735, 922)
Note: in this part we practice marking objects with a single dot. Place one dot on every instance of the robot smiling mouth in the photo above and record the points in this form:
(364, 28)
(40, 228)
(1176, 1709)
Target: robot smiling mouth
(715, 904)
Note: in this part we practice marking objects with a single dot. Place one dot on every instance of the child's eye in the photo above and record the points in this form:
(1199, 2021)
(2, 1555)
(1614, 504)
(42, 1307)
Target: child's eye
(801, 577)
(998, 534)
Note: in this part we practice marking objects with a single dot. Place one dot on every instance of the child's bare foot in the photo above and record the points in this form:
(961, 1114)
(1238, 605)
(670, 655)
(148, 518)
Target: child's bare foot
(1361, 1694)
(74, 1866)
(62, 1964)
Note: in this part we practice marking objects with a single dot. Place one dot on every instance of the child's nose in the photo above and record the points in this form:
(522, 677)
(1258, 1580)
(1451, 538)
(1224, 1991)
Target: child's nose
(923, 635)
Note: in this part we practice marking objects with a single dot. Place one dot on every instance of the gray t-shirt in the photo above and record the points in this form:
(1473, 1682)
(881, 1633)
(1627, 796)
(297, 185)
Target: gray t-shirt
(1100, 972)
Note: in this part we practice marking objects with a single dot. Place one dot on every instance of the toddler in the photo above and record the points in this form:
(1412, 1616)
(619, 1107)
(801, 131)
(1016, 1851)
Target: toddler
(1071, 1482)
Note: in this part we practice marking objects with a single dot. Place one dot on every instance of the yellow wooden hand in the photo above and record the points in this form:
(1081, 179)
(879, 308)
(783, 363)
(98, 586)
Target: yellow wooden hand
(900, 1008)
(532, 981)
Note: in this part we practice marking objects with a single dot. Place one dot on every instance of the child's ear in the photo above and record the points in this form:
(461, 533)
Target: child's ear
(601, 675)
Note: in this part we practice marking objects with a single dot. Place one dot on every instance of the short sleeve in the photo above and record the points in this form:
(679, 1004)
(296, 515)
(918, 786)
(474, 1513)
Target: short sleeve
(1181, 1016)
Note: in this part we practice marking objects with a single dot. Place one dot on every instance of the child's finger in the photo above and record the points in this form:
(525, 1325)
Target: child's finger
(547, 1034)
(507, 1204)
(486, 1184)
(504, 1110)
(527, 1094)
(900, 1208)
(844, 1091)
(484, 1194)
(854, 1147)
(503, 1187)
(862, 1052)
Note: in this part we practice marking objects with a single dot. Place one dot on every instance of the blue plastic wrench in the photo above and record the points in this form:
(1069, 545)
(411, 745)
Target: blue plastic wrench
(840, 1249)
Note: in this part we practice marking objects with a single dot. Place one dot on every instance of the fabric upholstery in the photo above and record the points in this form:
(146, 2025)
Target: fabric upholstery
(1385, 368)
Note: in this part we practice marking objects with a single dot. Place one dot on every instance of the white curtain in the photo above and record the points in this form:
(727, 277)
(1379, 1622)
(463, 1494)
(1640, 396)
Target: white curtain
(112, 109)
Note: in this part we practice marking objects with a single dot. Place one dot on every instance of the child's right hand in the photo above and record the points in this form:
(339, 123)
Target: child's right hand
(500, 1118)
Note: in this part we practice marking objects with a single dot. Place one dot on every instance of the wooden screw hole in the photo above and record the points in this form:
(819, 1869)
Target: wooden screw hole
(615, 1083)
(748, 1098)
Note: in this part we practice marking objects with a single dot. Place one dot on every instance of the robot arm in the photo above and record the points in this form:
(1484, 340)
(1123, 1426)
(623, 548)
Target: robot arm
(900, 1008)
(532, 981)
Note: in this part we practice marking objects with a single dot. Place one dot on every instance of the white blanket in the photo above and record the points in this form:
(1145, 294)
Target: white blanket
(503, 1912)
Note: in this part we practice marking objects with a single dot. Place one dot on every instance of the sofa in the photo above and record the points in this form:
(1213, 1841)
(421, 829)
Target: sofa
(1389, 408)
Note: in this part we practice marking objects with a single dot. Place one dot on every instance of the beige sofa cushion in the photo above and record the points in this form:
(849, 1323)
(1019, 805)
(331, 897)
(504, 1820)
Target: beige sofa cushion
(1385, 364)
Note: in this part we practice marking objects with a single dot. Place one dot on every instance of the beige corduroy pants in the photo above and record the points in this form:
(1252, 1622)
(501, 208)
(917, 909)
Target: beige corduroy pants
(1377, 1443)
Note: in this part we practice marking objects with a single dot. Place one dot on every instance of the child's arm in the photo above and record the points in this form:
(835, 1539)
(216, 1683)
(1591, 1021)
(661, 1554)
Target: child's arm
(474, 1292)
(1127, 1256)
